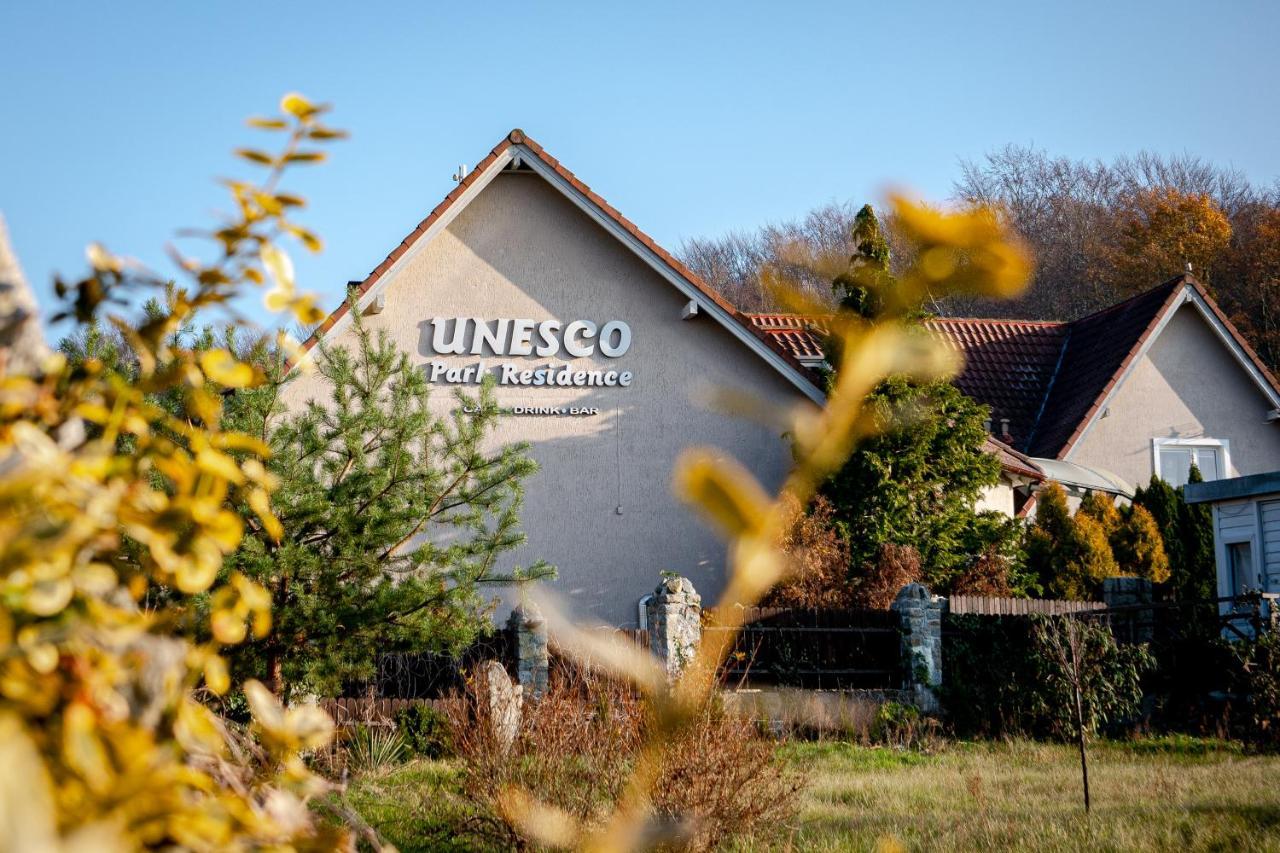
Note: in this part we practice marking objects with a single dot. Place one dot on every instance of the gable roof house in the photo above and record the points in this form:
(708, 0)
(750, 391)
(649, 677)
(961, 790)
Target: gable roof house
(601, 342)
(1151, 385)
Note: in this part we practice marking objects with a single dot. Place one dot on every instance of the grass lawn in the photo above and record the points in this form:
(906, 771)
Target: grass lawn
(1151, 795)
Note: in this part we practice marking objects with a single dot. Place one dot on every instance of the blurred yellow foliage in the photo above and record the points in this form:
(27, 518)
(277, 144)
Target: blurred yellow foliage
(969, 251)
(104, 742)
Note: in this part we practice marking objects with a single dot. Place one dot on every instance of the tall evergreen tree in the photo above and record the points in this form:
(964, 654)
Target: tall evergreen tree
(917, 483)
(394, 516)
(860, 289)
(1187, 532)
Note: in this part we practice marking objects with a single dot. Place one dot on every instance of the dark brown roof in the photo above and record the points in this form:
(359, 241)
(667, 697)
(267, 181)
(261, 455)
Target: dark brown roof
(1012, 460)
(518, 137)
(1097, 350)
(1008, 365)
(1049, 379)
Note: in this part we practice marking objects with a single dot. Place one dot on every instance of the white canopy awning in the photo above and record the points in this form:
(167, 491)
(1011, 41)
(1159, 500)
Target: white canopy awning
(1084, 477)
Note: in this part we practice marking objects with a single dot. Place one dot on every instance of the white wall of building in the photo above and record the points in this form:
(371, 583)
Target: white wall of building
(1187, 385)
(521, 250)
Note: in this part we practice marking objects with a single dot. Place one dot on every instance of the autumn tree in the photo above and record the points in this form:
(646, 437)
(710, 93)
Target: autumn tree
(104, 727)
(1162, 232)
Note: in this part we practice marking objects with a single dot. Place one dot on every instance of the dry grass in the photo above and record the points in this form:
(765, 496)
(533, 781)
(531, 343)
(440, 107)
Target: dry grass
(1154, 795)
(1158, 795)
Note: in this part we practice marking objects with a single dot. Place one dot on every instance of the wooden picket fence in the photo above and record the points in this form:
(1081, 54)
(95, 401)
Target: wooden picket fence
(986, 605)
(369, 711)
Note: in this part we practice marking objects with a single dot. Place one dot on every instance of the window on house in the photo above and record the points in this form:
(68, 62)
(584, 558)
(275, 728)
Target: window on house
(1174, 460)
(1240, 566)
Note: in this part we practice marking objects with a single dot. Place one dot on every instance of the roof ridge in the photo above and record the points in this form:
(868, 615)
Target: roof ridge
(1177, 280)
(519, 137)
(997, 320)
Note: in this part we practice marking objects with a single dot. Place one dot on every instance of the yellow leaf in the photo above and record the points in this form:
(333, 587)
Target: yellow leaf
(82, 749)
(724, 491)
(219, 464)
(254, 156)
(264, 706)
(227, 626)
(195, 571)
(223, 368)
(296, 105)
(278, 265)
(261, 506)
(196, 729)
(268, 123)
(47, 597)
(277, 299)
(216, 676)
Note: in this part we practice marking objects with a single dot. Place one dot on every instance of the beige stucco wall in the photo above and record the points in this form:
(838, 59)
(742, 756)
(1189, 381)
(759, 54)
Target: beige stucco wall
(1187, 385)
(521, 250)
(998, 497)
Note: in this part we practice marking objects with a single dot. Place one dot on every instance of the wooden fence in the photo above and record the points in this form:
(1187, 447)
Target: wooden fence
(985, 605)
(821, 649)
(367, 710)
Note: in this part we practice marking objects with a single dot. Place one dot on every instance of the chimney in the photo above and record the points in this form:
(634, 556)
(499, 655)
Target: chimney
(1004, 430)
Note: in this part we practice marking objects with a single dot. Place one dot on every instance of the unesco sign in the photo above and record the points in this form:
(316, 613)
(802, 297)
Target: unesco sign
(518, 337)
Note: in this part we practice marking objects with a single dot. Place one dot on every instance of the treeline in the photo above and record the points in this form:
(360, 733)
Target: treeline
(1100, 232)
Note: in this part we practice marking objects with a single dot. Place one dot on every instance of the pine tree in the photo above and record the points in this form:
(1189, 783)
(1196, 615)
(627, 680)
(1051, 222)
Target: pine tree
(393, 518)
(861, 289)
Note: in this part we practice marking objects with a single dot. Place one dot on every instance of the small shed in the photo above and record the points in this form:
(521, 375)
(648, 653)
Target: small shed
(1246, 531)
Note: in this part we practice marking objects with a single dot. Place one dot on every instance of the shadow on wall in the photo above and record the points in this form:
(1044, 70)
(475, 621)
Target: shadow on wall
(601, 508)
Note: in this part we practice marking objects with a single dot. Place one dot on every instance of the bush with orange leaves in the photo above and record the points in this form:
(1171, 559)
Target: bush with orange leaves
(103, 741)
(819, 558)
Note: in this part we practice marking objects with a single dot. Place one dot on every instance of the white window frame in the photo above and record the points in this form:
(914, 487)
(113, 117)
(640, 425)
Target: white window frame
(1222, 444)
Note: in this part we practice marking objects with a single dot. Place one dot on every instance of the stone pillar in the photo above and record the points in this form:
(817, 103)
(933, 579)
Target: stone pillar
(1132, 621)
(675, 624)
(921, 617)
(533, 660)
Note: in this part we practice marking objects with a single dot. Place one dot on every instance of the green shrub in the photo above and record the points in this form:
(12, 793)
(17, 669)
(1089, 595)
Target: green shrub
(900, 724)
(998, 681)
(1254, 682)
(425, 731)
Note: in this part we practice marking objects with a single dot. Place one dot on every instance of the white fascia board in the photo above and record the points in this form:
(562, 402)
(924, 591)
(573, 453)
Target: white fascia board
(482, 180)
(1224, 334)
(681, 283)
(1188, 294)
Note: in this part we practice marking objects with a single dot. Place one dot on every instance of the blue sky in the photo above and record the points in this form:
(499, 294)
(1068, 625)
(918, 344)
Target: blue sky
(693, 119)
